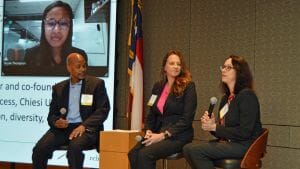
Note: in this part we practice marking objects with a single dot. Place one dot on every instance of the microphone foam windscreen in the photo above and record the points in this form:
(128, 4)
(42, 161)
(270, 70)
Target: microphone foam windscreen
(213, 100)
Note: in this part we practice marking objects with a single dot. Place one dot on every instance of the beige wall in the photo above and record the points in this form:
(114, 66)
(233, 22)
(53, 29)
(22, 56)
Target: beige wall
(265, 32)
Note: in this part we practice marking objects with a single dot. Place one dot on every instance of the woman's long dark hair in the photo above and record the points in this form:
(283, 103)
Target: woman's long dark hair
(244, 77)
(45, 48)
(182, 80)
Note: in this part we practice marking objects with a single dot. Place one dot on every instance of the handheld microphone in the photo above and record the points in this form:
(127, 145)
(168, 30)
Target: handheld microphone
(139, 138)
(63, 112)
(213, 101)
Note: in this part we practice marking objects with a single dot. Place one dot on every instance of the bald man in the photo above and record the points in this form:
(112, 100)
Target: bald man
(78, 108)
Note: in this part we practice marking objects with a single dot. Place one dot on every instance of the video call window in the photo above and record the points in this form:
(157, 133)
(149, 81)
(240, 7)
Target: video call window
(22, 29)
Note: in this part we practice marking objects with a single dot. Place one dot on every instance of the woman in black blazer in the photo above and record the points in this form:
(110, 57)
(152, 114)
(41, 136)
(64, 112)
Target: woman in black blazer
(238, 123)
(168, 125)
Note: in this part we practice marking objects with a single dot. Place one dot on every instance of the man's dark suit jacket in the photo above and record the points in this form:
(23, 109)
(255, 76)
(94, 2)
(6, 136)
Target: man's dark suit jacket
(242, 121)
(178, 113)
(92, 116)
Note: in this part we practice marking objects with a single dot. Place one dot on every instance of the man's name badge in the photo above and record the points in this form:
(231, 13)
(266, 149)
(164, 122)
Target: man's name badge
(86, 99)
(152, 100)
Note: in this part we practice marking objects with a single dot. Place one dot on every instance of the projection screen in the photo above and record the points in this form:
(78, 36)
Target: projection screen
(25, 91)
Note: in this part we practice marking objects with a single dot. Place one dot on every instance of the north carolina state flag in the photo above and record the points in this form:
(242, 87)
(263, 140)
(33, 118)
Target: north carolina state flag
(135, 68)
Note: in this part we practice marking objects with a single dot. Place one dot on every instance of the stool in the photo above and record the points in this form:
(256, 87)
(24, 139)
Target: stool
(228, 163)
(252, 158)
(65, 147)
(175, 156)
(62, 147)
(12, 165)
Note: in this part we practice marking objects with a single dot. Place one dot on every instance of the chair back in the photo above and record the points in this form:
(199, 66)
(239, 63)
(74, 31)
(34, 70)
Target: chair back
(257, 150)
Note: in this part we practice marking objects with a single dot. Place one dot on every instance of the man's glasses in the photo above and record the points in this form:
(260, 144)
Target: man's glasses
(226, 67)
(63, 24)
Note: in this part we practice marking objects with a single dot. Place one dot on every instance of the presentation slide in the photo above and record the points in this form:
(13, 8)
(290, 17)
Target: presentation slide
(25, 89)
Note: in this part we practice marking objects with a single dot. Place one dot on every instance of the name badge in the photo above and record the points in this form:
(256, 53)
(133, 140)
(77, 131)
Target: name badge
(152, 100)
(224, 110)
(86, 99)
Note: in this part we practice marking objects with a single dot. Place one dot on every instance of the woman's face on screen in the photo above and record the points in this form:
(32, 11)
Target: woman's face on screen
(57, 26)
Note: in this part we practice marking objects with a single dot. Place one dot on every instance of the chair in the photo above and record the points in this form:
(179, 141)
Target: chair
(65, 147)
(252, 158)
(15, 54)
(175, 156)
(62, 147)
